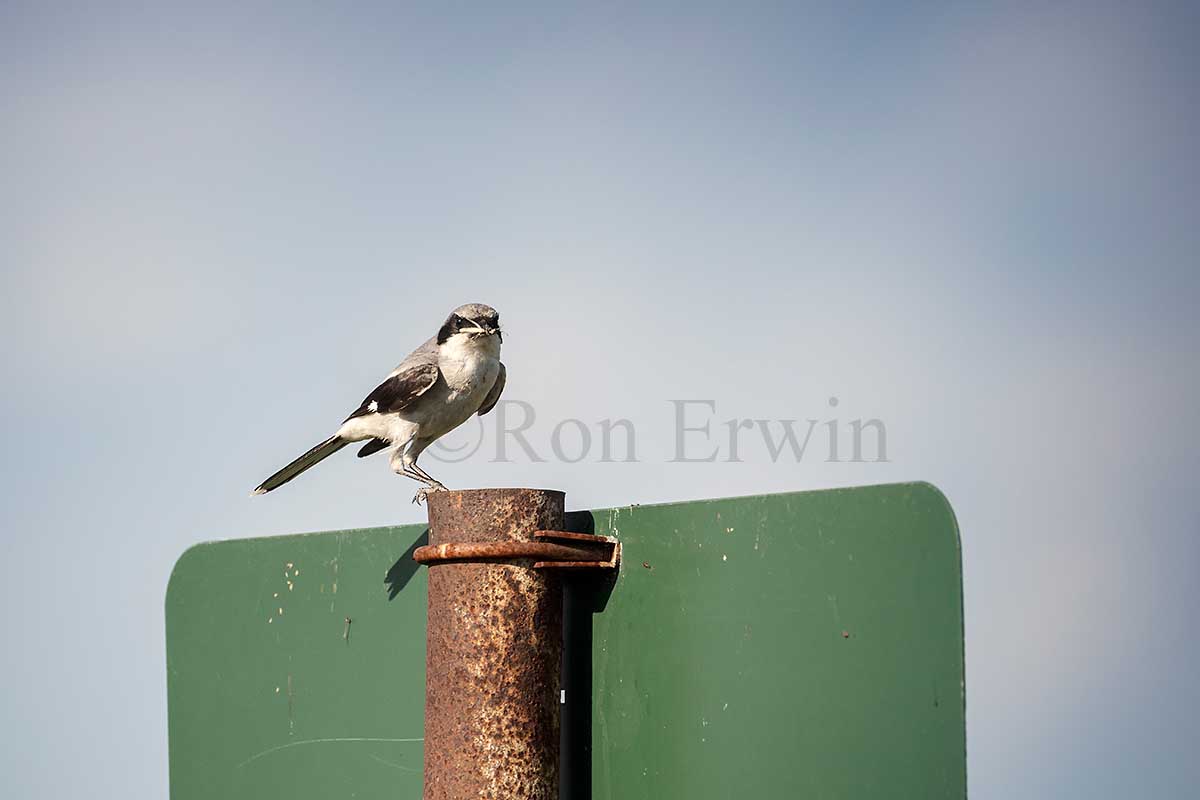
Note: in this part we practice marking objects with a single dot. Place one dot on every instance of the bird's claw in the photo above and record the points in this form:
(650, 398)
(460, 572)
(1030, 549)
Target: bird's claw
(423, 493)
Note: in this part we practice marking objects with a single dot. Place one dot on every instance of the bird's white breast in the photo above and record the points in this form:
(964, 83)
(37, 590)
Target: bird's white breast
(469, 367)
(469, 364)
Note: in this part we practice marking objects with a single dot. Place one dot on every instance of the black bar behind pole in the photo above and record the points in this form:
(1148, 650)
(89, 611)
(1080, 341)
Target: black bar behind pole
(575, 763)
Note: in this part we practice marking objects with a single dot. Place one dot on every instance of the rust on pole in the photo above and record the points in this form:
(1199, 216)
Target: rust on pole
(494, 640)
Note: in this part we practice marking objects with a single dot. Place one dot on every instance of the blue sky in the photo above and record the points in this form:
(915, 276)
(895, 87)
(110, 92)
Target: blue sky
(221, 225)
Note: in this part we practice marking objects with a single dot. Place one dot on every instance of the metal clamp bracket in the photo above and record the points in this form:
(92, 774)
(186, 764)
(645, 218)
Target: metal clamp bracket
(552, 550)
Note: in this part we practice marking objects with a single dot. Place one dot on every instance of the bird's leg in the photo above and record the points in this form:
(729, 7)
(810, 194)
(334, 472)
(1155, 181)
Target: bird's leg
(431, 485)
(404, 462)
(434, 484)
(419, 497)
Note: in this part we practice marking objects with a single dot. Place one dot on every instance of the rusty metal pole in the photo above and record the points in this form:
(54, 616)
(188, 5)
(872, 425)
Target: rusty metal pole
(494, 644)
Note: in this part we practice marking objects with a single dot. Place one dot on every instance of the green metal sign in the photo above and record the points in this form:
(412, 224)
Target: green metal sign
(795, 645)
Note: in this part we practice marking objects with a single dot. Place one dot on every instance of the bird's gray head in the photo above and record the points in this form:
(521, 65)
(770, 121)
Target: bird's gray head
(475, 320)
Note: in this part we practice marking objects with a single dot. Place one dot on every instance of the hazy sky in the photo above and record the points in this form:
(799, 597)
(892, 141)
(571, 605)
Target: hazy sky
(221, 224)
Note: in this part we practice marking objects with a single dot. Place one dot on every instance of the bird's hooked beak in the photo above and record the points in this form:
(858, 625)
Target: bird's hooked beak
(482, 329)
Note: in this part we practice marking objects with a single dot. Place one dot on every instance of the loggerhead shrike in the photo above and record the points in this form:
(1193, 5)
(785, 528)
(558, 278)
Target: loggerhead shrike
(437, 388)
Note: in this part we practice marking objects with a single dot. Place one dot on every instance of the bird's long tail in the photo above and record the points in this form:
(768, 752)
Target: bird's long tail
(314, 456)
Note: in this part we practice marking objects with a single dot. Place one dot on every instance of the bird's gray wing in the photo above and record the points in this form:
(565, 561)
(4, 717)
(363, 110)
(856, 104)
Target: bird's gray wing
(493, 396)
(415, 375)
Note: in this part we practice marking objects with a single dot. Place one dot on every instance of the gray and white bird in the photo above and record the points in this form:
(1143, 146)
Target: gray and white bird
(434, 390)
